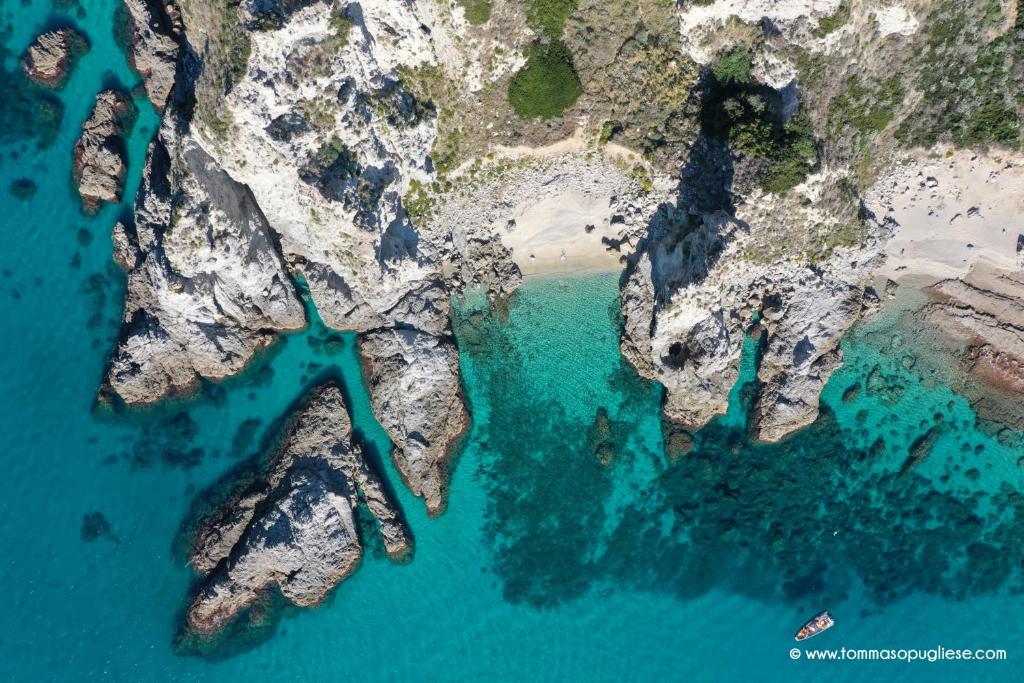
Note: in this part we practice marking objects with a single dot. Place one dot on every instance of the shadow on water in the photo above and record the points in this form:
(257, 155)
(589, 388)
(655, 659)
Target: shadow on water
(807, 521)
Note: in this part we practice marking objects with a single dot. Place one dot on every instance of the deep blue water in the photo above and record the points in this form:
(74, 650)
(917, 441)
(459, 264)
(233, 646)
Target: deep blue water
(574, 546)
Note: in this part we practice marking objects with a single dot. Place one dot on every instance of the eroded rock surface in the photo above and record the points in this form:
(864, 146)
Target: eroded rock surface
(154, 48)
(695, 287)
(206, 286)
(48, 60)
(415, 388)
(100, 160)
(292, 162)
(297, 529)
(984, 313)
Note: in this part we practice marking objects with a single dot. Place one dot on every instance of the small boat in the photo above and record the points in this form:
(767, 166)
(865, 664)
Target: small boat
(815, 625)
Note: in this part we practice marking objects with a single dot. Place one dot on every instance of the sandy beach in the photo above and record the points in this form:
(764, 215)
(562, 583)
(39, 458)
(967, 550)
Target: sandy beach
(551, 236)
(952, 213)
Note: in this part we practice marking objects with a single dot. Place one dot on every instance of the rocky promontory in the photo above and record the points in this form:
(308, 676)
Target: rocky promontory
(100, 161)
(206, 286)
(414, 385)
(297, 529)
(689, 300)
(48, 60)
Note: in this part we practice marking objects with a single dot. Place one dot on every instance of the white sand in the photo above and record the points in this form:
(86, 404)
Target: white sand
(952, 213)
(550, 237)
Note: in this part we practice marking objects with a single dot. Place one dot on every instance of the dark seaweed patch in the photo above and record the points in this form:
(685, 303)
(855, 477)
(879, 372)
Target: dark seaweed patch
(24, 189)
(96, 526)
(806, 521)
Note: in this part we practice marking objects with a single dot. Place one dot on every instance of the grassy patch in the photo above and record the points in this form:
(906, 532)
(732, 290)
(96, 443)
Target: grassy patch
(868, 109)
(477, 11)
(966, 79)
(549, 16)
(547, 84)
(833, 22)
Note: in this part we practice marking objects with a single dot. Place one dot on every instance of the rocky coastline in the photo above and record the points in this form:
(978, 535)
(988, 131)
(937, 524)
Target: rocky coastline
(310, 140)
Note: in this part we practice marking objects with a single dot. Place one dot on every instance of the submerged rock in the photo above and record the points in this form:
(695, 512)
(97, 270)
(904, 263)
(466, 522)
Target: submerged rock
(297, 529)
(415, 387)
(100, 161)
(96, 526)
(48, 60)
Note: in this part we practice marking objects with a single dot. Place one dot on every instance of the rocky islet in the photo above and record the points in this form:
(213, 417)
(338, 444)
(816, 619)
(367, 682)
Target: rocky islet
(49, 59)
(295, 529)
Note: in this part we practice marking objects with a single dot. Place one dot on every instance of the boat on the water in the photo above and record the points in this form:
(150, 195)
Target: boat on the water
(822, 621)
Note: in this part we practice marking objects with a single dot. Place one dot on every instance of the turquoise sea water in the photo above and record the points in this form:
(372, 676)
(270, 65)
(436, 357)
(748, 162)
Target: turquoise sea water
(573, 547)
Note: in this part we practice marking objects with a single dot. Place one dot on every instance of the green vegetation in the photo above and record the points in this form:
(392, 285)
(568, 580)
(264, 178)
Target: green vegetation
(637, 81)
(477, 11)
(333, 155)
(341, 26)
(748, 115)
(549, 16)
(734, 67)
(418, 203)
(966, 79)
(829, 24)
(608, 131)
(547, 84)
(867, 109)
(225, 59)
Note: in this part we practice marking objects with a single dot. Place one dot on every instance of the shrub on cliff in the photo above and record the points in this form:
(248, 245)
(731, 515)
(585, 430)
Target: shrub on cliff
(748, 115)
(547, 84)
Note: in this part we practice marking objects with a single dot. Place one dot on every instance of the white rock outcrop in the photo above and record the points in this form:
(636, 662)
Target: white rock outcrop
(414, 385)
(206, 286)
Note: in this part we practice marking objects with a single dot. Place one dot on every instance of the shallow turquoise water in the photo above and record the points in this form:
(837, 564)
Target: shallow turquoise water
(548, 565)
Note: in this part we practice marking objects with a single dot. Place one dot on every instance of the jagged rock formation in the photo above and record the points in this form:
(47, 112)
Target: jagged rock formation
(693, 290)
(414, 386)
(297, 529)
(154, 47)
(49, 58)
(99, 155)
(325, 118)
(206, 286)
(298, 170)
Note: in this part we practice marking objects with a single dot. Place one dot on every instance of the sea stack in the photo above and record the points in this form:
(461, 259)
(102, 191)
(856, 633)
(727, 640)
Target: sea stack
(296, 529)
(48, 60)
(100, 161)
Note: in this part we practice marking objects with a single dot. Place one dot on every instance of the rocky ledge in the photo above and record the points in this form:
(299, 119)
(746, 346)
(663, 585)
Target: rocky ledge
(48, 60)
(153, 51)
(297, 529)
(984, 313)
(414, 385)
(100, 161)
